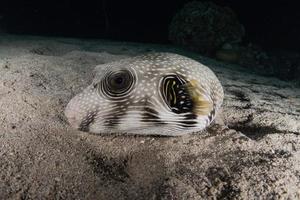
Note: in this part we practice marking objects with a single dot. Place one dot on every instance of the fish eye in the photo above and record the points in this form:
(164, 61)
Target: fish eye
(118, 83)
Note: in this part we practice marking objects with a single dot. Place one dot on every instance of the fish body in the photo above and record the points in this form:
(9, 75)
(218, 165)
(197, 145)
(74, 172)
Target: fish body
(151, 94)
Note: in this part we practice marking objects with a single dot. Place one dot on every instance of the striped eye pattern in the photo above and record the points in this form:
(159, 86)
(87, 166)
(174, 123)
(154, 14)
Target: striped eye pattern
(175, 94)
(117, 84)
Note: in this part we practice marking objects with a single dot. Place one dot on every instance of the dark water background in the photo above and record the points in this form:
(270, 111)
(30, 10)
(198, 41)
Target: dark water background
(272, 24)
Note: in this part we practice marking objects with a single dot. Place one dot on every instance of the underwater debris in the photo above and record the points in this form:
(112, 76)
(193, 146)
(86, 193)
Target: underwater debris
(228, 53)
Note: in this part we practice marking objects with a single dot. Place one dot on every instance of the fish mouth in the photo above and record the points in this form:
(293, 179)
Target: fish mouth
(72, 115)
(87, 121)
(78, 122)
(71, 118)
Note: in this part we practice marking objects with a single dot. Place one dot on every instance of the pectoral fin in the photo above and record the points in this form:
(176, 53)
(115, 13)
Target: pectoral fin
(202, 105)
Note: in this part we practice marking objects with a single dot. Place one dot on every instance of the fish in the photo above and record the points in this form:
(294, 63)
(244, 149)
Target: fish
(157, 93)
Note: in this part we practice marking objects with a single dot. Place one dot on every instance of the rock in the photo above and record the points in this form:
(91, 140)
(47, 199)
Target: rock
(204, 27)
(255, 155)
(279, 63)
(228, 54)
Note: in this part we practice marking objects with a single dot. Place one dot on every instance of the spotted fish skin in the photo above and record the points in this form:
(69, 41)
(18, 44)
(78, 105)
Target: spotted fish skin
(151, 94)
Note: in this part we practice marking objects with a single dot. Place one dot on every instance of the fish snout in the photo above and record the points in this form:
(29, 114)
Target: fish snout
(72, 115)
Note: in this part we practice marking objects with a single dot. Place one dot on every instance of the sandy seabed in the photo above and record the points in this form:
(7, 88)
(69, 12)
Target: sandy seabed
(256, 155)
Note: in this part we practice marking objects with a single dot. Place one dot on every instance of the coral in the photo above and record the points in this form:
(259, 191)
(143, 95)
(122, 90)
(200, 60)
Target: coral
(205, 27)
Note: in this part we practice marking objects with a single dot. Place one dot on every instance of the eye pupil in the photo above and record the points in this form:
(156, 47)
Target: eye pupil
(119, 80)
(118, 83)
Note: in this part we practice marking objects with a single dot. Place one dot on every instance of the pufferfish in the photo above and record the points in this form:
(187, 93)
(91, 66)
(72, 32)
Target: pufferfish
(150, 94)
